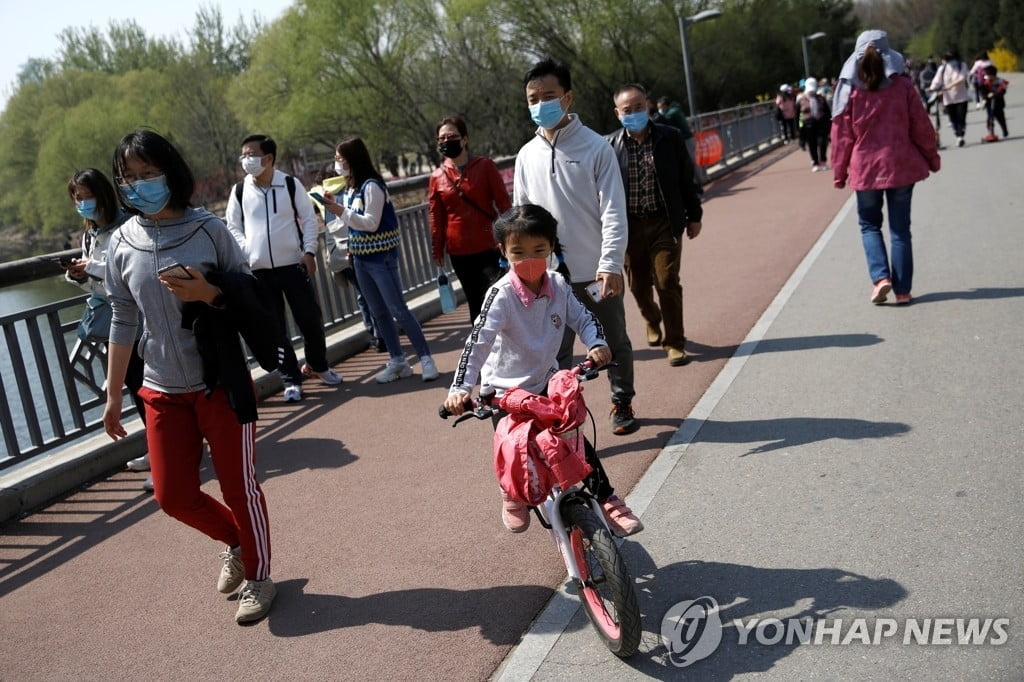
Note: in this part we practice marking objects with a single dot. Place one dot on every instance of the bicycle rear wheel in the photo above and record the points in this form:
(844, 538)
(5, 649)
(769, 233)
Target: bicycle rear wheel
(607, 591)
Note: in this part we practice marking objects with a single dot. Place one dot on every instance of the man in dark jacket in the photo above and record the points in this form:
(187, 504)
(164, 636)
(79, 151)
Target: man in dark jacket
(663, 203)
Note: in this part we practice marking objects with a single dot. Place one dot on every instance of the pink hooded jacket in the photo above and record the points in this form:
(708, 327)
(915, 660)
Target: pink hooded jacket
(883, 138)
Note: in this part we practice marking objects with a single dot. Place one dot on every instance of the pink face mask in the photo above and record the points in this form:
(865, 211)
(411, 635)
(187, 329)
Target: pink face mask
(530, 269)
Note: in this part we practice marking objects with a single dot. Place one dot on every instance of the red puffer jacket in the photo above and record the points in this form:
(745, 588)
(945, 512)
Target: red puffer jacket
(461, 225)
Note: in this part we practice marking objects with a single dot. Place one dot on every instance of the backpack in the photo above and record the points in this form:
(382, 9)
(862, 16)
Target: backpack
(538, 444)
(289, 182)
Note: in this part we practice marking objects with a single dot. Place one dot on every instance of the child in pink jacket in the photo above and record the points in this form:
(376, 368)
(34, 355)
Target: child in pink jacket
(882, 144)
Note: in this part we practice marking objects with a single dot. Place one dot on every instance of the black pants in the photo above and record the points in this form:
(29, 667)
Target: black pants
(477, 272)
(817, 133)
(290, 282)
(957, 114)
(133, 380)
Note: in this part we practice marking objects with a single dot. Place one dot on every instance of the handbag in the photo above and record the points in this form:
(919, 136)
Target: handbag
(95, 322)
(445, 293)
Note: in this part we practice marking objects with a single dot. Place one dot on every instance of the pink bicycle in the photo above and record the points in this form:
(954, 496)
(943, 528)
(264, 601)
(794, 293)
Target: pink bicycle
(586, 545)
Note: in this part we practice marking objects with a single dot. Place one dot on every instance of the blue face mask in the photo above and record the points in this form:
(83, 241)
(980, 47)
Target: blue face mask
(149, 197)
(635, 122)
(547, 114)
(87, 209)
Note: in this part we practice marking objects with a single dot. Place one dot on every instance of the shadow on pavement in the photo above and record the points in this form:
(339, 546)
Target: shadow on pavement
(790, 432)
(298, 613)
(984, 293)
(746, 592)
(704, 353)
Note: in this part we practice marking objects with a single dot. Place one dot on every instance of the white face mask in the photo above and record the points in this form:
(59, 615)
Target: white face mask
(341, 169)
(253, 165)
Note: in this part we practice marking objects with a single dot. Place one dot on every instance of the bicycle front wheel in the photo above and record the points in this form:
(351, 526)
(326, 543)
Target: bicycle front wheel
(607, 591)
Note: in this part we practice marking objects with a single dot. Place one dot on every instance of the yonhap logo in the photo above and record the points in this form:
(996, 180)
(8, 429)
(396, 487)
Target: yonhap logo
(691, 630)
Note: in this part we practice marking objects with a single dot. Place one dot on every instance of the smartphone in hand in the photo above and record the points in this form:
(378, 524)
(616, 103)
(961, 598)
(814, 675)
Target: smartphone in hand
(176, 271)
(319, 197)
(594, 290)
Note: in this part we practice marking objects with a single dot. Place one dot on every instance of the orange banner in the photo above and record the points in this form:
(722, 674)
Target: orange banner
(709, 148)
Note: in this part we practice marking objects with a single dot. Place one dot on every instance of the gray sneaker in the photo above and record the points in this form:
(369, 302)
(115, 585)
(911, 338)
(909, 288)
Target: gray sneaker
(232, 572)
(393, 371)
(255, 599)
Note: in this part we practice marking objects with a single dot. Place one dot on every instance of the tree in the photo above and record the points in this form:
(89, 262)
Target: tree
(1011, 24)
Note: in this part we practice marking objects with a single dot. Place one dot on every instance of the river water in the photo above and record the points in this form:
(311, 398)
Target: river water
(18, 297)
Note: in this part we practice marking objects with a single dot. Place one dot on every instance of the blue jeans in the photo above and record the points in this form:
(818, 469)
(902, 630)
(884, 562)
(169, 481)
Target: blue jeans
(381, 285)
(869, 214)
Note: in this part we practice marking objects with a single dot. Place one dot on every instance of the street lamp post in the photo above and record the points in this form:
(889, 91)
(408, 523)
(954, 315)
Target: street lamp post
(683, 23)
(803, 43)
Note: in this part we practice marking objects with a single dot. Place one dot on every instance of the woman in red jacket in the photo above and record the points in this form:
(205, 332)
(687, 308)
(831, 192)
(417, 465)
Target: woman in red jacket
(465, 197)
(882, 144)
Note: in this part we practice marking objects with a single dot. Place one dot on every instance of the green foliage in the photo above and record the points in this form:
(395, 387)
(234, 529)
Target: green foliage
(70, 113)
(1011, 25)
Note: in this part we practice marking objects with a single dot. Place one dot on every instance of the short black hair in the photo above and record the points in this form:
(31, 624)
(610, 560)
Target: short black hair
(528, 219)
(991, 70)
(629, 86)
(154, 149)
(267, 144)
(549, 67)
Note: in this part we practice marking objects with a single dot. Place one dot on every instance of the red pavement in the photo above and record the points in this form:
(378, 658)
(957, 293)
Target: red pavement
(389, 555)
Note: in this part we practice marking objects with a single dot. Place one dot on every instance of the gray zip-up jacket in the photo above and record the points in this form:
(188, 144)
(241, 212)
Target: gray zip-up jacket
(139, 249)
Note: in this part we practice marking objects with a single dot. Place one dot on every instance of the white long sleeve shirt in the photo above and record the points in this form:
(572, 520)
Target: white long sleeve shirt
(577, 178)
(516, 337)
(268, 234)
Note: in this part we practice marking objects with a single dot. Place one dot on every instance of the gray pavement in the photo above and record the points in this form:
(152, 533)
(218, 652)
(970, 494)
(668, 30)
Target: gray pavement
(850, 462)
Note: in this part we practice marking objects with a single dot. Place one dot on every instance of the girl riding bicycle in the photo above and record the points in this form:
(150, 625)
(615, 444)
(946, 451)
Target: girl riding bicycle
(515, 341)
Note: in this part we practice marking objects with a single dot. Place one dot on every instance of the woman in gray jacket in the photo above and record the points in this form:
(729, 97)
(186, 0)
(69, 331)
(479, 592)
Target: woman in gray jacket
(156, 263)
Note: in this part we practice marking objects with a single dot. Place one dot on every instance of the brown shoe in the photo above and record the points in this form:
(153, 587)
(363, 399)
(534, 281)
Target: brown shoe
(677, 357)
(653, 334)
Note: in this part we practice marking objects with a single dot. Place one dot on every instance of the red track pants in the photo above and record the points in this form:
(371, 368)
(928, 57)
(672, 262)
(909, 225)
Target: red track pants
(176, 425)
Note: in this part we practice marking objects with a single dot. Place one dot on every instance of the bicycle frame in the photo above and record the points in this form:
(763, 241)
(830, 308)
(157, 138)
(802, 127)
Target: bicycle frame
(550, 513)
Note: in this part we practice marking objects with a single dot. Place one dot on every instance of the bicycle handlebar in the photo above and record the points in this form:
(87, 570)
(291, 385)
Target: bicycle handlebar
(481, 408)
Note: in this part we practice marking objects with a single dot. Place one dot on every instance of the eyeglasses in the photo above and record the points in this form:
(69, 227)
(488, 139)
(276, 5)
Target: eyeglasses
(131, 178)
(446, 138)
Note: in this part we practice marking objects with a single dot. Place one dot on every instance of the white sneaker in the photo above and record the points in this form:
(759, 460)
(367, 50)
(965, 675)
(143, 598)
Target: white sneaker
(147, 485)
(960, 142)
(394, 370)
(292, 393)
(139, 463)
(815, 168)
(429, 368)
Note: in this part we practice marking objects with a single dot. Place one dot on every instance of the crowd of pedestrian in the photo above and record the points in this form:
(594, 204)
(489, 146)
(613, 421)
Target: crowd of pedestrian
(590, 216)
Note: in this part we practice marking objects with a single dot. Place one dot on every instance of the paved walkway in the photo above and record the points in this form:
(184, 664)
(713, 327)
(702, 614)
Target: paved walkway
(837, 460)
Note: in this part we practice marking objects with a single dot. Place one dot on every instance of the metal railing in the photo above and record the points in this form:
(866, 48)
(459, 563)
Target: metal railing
(746, 132)
(52, 384)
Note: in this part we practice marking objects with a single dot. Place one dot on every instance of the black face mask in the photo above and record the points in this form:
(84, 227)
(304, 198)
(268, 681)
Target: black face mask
(450, 148)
